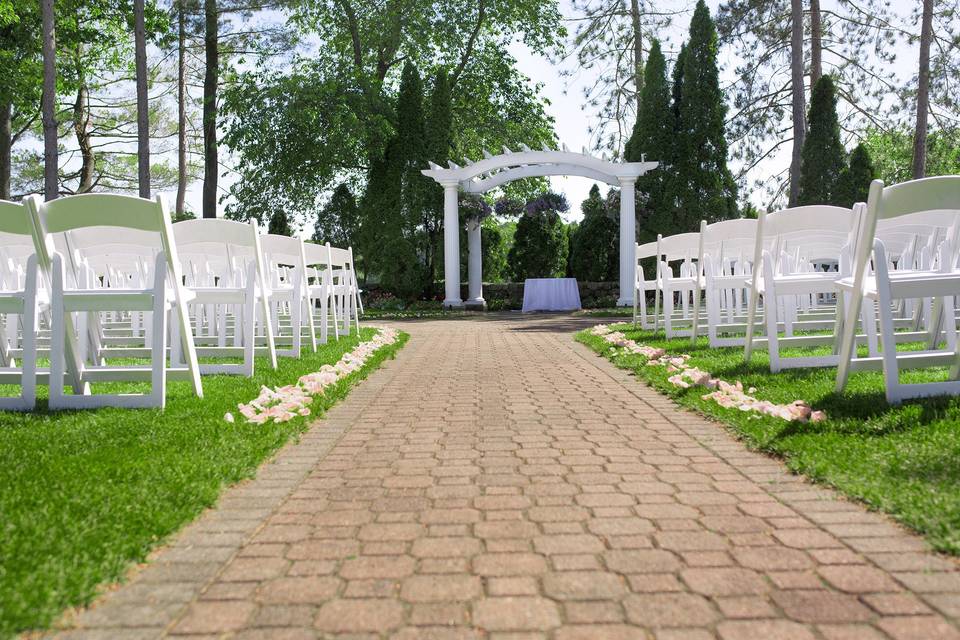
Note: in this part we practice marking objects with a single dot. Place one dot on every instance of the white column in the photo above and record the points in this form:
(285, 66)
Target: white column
(451, 245)
(475, 263)
(628, 238)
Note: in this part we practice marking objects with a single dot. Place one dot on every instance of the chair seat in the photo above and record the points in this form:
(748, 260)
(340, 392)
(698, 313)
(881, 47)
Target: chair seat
(910, 284)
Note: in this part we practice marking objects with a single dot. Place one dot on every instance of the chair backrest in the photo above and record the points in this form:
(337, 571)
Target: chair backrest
(816, 218)
(279, 249)
(680, 246)
(647, 250)
(317, 254)
(937, 198)
(340, 258)
(216, 243)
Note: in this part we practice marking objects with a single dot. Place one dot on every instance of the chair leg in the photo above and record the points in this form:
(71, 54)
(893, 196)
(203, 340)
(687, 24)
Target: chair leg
(891, 372)
(58, 329)
(158, 350)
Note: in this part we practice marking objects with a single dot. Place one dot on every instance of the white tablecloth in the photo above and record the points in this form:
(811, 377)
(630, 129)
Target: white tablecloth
(550, 294)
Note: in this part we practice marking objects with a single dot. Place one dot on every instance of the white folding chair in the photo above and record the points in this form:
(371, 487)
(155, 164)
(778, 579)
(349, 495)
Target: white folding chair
(346, 287)
(728, 247)
(685, 285)
(286, 263)
(164, 296)
(873, 280)
(641, 285)
(320, 289)
(22, 296)
(227, 277)
(780, 275)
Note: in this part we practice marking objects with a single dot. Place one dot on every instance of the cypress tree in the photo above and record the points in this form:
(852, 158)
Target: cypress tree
(540, 243)
(279, 223)
(594, 245)
(706, 188)
(676, 91)
(653, 136)
(855, 179)
(823, 157)
(439, 142)
(338, 220)
(394, 198)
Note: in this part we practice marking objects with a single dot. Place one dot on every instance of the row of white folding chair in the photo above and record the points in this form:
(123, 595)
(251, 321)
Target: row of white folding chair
(286, 262)
(683, 286)
(346, 288)
(935, 200)
(779, 280)
(641, 285)
(56, 228)
(321, 292)
(727, 248)
(23, 297)
(228, 281)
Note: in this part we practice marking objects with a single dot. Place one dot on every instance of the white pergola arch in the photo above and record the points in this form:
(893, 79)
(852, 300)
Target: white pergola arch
(497, 170)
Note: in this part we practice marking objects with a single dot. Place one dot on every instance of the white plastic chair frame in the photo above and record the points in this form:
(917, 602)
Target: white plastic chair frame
(346, 287)
(166, 295)
(641, 285)
(232, 253)
(290, 290)
(941, 283)
(777, 275)
(320, 289)
(728, 245)
(687, 248)
(19, 296)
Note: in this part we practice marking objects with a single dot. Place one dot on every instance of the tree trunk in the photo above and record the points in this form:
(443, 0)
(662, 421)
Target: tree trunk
(637, 49)
(799, 117)
(6, 148)
(181, 109)
(81, 128)
(51, 178)
(816, 43)
(210, 166)
(143, 114)
(923, 93)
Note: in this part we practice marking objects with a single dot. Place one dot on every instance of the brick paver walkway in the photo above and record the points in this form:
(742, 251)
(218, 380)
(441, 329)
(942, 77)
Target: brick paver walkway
(499, 481)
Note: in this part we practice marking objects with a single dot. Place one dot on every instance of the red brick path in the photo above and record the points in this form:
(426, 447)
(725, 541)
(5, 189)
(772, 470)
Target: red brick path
(499, 481)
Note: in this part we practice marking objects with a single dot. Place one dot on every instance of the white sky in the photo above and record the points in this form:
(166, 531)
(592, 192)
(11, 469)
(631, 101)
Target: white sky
(565, 97)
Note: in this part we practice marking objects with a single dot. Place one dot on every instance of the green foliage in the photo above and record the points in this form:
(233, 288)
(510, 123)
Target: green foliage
(892, 153)
(594, 246)
(338, 222)
(540, 243)
(704, 186)
(654, 136)
(279, 224)
(494, 251)
(856, 178)
(823, 156)
(392, 206)
(87, 494)
(327, 116)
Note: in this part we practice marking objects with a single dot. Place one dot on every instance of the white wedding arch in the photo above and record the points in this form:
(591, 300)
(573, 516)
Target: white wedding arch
(496, 170)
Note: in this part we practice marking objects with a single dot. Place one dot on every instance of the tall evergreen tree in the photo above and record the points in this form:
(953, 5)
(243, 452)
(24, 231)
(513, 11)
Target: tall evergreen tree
(394, 198)
(676, 90)
(653, 136)
(823, 156)
(706, 189)
(338, 220)
(439, 141)
(856, 178)
(594, 246)
(279, 223)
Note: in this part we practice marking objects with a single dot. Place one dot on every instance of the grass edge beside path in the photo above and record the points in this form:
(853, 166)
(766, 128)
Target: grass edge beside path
(904, 461)
(87, 495)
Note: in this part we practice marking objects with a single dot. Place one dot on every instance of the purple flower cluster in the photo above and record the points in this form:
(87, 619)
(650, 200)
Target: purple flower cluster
(548, 202)
(474, 208)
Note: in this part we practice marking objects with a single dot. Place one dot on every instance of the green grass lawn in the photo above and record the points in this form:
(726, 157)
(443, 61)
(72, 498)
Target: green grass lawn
(902, 460)
(83, 495)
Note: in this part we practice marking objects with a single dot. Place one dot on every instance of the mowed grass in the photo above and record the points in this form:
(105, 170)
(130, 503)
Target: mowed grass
(903, 460)
(83, 495)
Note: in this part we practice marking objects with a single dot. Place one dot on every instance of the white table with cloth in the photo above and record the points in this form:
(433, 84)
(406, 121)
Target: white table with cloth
(550, 294)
